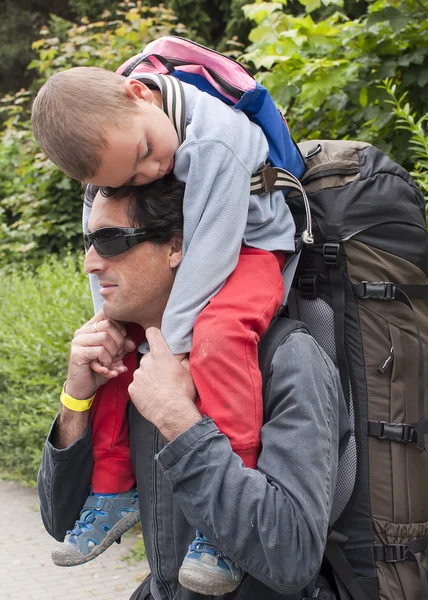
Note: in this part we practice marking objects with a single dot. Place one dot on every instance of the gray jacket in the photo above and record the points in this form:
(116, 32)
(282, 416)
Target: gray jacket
(273, 521)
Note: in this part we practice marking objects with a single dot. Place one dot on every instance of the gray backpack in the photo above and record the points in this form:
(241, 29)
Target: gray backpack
(362, 289)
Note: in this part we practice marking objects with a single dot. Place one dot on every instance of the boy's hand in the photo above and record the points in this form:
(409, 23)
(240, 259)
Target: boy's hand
(163, 390)
(96, 356)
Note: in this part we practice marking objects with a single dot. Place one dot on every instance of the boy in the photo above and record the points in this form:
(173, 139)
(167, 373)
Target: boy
(101, 128)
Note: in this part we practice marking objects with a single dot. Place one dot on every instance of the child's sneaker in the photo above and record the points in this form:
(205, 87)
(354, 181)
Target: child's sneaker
(103, 520)
(208, 571)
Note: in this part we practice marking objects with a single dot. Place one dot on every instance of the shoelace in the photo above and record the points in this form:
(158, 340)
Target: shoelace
(202, 544)
(90, 515)
(83, 525)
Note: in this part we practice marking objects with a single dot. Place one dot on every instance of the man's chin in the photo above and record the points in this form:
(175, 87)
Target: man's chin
(115, 312)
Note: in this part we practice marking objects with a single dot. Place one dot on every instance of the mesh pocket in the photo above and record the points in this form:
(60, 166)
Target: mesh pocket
(318, 316)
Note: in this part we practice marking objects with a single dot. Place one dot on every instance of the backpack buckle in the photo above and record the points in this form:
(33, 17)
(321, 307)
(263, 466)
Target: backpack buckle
(397, 432)
(395, 553)
(331, 254)
(307, 285)
(378, 290)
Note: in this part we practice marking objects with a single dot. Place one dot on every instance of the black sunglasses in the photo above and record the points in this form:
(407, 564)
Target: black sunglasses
(112, 241)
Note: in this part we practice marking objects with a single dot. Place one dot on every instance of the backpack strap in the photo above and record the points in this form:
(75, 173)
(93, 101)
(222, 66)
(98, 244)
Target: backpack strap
(173, 100)
(279, 329)
(269, 178)
(386, 290)
(393, 553)
(332, 258)
(346, 578)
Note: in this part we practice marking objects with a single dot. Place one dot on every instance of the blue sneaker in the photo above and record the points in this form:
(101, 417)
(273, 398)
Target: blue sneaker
(103, 520)
(208, 571)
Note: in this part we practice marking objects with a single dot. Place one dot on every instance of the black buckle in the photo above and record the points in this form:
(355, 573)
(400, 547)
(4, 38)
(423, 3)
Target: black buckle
(397, 432)
(330, 254)
(379, 290)
(269, 175)
(307, 285)
(395, 553)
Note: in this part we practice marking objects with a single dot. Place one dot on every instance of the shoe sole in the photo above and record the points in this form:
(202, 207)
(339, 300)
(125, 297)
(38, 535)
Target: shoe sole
(62, 557)
(206, 583)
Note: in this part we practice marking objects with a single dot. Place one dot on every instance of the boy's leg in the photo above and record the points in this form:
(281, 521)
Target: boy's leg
(224, 356)
(112, 507)
(224, 367)
(112, 469)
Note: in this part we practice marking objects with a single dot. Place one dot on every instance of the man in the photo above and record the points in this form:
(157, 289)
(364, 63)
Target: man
(272, 521)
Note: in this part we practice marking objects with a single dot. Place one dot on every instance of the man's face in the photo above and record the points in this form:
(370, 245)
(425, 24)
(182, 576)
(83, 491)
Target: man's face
(136, 284)
(143, 149)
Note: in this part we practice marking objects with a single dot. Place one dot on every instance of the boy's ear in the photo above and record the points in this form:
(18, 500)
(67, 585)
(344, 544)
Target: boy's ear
(137, 90)
(175, 253)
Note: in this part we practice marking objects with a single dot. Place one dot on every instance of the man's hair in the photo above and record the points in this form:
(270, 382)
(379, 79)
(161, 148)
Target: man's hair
(72, 114)
(157, 206)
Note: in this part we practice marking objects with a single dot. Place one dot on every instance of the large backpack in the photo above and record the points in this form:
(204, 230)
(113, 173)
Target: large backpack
(362, 289)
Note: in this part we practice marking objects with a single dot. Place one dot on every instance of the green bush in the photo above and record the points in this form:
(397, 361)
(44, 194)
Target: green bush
(406, 119)
(40, 311)
(325, 69)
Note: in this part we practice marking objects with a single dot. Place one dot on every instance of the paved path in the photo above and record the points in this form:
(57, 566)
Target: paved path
(26, 569)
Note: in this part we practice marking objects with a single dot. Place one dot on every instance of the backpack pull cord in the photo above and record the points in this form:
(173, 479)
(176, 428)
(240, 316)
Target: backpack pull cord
(270, 178)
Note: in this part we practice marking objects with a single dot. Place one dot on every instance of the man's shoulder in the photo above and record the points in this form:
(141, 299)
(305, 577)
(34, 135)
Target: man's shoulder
(291, 339)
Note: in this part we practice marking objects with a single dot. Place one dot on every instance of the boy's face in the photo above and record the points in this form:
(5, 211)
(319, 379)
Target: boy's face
(143, 149)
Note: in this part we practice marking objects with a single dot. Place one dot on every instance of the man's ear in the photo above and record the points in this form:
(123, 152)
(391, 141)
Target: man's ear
(137, 90)
(175, 253)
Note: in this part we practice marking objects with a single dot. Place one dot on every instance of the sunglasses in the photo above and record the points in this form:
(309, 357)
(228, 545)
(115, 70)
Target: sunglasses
(112, 241)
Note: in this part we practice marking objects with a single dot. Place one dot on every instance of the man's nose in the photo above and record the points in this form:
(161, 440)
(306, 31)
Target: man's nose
(93, 261)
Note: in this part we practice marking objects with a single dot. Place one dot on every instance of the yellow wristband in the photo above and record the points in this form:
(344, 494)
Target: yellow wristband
(74, 404)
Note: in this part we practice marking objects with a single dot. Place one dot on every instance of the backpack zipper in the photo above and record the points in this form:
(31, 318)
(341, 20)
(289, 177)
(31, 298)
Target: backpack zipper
(387, 362)
(349, 171)
(155, 519)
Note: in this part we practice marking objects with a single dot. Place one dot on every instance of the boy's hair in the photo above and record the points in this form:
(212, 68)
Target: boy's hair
(157, 206)
(72, 114)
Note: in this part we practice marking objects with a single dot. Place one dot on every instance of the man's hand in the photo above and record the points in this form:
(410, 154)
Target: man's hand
(96, 356)
(163, 390)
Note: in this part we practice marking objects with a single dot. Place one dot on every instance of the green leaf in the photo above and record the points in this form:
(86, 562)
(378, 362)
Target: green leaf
(310, 5)
(423, 78)
(363, 97)
(334, 2)
(258, 12)
(397, 19)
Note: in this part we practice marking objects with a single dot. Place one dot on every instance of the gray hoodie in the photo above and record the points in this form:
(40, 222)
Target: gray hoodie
(221, 151)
